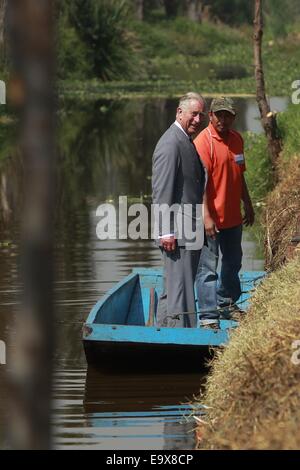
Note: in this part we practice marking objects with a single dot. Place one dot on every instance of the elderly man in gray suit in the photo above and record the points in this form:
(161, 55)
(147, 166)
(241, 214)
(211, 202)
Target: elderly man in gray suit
(178, 178)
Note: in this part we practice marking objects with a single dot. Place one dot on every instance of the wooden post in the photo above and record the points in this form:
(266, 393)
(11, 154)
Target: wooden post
(268, 118)
(31, 90)
(139, 7)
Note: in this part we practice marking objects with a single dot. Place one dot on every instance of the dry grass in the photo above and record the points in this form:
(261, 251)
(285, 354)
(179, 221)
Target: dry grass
(253, 391)
(283, 208)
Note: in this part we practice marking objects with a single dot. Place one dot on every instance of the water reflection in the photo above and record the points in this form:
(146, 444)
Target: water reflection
(127, 411)
(105, 150)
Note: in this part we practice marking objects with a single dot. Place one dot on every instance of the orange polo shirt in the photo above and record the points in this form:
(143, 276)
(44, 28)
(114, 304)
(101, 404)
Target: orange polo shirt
(225, 163)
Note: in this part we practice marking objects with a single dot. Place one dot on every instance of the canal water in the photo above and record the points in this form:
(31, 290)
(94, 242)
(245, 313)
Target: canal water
(105, 151)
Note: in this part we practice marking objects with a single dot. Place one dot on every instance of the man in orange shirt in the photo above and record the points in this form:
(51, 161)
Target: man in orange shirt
(222, 152)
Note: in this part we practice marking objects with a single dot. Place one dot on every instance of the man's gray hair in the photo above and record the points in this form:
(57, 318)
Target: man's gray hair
(186, 99)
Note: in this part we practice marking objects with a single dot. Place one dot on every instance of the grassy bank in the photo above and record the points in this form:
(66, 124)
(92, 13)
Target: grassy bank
(252, 391)
(170, 57)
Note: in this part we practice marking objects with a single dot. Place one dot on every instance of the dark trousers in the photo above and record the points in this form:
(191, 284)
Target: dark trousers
(210, 292)
(180, 268)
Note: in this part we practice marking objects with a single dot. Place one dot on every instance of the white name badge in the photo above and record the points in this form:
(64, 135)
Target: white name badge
(239, 159)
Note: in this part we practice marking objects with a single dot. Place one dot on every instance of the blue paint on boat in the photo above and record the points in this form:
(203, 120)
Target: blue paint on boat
(116, 329)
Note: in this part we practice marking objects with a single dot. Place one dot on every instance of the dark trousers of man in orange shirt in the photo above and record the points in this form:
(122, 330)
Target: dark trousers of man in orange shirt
(211, 293)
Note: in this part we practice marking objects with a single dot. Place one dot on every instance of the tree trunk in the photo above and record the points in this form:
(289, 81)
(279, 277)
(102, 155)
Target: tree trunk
(193, 9)
(31, 90)
(268, 118)
(139, 5)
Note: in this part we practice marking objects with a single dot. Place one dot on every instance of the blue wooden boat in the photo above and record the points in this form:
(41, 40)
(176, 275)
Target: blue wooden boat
(120, 330)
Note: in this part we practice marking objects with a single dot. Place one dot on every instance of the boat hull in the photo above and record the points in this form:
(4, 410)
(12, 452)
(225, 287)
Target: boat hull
(121, 333)
(127, 356)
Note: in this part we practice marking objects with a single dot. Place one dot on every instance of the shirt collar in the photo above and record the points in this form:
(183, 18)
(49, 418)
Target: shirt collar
(215, 134)
(181, 128)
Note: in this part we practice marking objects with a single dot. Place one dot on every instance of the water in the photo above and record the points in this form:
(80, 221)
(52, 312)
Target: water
(105, 151)
(102, 411)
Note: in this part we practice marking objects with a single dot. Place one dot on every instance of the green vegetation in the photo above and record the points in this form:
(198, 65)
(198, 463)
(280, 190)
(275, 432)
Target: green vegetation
(290, 131)
(276, 208)
(256, 150)
(71, 52)
(174, 56)
(103, 51)
(258, 166)
(95, 34)
(280, 16)
(259, 181)
(258, 174)
(232, 12)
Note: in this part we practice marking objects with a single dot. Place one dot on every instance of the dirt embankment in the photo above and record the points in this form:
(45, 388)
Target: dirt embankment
(253, 394)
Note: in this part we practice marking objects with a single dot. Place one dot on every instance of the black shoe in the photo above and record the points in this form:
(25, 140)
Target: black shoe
(233, 312)
(236, 308)
(237, 313)
(226, 313)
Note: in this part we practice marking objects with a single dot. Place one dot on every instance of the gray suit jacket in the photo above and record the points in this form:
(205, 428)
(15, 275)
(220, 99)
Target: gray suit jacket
(178, 177)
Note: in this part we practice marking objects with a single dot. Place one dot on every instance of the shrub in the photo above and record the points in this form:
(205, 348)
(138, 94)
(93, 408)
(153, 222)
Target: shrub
(101, 27)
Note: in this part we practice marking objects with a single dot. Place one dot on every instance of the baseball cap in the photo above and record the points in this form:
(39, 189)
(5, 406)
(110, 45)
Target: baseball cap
(223, 104)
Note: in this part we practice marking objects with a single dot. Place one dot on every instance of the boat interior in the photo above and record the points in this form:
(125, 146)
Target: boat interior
(132, 303)
(134, 300)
